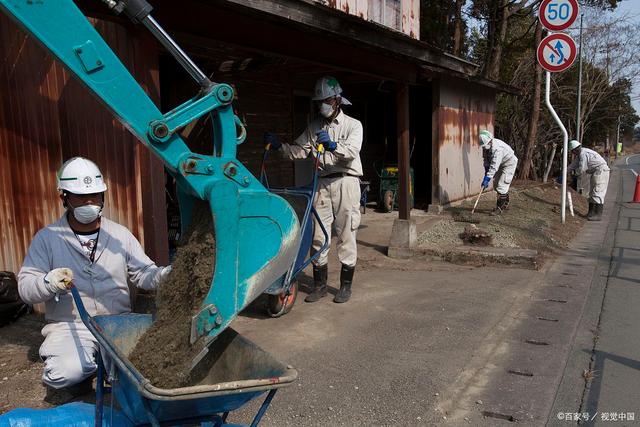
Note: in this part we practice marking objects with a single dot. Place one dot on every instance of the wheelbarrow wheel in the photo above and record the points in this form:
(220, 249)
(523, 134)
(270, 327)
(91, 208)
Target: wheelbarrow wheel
(387, 201)
(281, 304)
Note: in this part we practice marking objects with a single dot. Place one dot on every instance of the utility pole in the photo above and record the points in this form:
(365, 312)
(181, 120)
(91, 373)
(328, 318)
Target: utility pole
(607, 52)
(618, 136)
(578, 135)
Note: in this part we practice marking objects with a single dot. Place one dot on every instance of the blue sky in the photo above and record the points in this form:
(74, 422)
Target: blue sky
(632, 6)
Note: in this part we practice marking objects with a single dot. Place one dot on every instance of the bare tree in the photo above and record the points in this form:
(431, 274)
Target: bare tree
(612, 46)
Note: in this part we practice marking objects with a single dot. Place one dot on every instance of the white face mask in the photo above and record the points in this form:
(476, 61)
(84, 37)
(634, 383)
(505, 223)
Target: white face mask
(88, 213)
(326, 110)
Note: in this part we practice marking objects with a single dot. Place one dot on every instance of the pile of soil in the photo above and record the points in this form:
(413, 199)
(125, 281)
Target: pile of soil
(163, 354)
(531, 222)
(475, 236)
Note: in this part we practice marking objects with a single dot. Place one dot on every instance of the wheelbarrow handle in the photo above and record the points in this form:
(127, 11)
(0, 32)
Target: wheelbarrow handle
(80, 305)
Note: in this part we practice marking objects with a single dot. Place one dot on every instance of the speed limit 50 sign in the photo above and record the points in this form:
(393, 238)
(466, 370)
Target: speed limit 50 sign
(558, 15)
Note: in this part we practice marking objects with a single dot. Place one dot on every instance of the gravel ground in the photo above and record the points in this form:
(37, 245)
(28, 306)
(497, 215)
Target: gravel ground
(532, 221)
(446, 232)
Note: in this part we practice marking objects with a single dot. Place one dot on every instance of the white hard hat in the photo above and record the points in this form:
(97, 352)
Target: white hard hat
(573, 144)
(328, 87)
(485, 138)
(80, 176)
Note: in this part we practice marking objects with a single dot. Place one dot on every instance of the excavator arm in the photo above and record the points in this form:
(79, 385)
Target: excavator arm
(257, 232)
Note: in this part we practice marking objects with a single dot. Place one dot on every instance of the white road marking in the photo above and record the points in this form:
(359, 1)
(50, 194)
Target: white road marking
(627, 163)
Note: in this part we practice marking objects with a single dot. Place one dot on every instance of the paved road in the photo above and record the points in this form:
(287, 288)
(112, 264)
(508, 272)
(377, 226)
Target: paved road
(615, 388)
(607, 346)
(432, 344)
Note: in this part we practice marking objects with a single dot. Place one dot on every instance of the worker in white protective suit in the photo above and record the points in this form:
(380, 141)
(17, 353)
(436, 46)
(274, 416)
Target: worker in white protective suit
(587, 160)
(500, 163)
(97, 256)
(338, 198)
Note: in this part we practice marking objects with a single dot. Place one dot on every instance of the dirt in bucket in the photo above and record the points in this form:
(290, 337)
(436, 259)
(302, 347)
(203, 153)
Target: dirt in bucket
(163, 354)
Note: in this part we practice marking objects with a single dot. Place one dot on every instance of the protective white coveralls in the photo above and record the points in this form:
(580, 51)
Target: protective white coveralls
(501, 163)
(593, 164)
(119, 261)
(338, 198)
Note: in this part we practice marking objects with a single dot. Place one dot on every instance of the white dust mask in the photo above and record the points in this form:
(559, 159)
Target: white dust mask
(326, 110)
(88, 213)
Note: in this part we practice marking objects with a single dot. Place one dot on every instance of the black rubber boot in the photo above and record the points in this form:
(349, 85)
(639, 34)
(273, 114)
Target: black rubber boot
(590, 213)
(501, 204)
(346, 278)
(597, 212)
(319, 283)
(70, 393)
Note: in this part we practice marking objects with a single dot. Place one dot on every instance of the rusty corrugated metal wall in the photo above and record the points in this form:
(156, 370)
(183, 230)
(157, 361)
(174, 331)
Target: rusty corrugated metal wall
(46, 117)
(411, 18)
(462, 110)
(353, 7)
(401, 15)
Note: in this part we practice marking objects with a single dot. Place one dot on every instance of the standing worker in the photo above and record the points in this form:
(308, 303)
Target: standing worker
(500, 162)
(587, 160)
(338, 198)
(97, 256)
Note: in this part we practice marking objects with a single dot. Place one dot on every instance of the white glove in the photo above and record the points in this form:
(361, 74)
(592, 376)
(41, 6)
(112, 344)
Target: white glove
(59, 280)
(164, 274)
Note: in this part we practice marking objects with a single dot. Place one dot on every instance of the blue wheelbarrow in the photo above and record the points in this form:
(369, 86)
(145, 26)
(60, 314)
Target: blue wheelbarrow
(281, 298)
(234, 372)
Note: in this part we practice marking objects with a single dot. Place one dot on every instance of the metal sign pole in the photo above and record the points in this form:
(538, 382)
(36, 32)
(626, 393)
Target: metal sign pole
(578, 109)
(565, 146)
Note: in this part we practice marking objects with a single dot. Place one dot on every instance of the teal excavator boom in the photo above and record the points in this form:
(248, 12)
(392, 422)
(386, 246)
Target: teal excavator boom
(242, 209)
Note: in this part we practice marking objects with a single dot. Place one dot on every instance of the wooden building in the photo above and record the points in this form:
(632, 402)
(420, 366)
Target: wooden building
(271, 51)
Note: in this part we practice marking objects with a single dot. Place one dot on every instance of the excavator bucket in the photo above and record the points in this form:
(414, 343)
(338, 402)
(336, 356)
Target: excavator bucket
(257, 232)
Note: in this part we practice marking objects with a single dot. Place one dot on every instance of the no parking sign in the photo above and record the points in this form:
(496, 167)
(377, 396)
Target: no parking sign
(557, 52)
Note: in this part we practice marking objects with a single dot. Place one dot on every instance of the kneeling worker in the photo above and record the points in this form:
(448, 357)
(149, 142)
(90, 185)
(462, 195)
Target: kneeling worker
(338, 198)
(500, 162)
(587, 160)
(99, 257)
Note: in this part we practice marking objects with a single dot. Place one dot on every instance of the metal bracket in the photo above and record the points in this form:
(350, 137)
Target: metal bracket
(231, 171)
(196, 166)
(162, 129)
(208, 321)
(89, 57)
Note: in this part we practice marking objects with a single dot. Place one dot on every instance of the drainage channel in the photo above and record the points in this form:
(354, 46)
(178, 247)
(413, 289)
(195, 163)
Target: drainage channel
(521, 373)
(536, 342)
(499, 416)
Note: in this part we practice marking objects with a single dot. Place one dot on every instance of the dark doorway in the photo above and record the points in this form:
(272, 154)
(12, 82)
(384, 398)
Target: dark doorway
(420, 113)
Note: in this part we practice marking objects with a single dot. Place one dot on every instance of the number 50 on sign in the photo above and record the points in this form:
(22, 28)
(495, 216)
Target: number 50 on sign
(558, 15)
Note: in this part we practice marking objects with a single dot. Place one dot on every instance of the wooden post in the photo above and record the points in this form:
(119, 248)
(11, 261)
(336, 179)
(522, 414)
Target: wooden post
(403, 150)
(404, 236)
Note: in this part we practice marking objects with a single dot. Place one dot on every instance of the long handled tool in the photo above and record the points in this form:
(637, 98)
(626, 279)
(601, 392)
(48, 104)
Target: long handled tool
(477, 200)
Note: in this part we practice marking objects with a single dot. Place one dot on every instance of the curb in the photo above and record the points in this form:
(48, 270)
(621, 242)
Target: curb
(483, 256)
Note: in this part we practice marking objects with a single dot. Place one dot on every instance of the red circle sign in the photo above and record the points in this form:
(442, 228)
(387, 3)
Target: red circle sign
(558, 15)
(557, 52)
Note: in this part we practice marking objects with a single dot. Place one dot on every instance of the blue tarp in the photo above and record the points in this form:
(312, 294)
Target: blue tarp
(76, 414)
